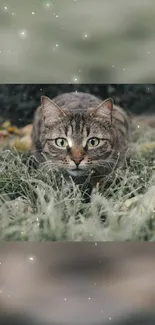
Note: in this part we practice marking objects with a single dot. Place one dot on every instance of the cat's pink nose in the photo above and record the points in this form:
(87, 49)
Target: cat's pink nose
(77, 160)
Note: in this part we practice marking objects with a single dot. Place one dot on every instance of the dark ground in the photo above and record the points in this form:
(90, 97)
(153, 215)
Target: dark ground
(19, 101)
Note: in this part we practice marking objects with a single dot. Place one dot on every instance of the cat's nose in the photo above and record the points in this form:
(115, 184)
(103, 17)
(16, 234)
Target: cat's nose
(77, 160)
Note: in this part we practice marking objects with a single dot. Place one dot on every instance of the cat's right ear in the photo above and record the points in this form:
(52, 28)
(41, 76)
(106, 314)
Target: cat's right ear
(51, 111)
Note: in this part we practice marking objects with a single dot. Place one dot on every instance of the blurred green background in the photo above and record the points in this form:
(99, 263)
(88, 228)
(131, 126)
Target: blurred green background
(77, 41)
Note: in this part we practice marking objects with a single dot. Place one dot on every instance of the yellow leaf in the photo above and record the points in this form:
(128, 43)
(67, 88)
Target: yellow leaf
(6, 125)
(14, 129)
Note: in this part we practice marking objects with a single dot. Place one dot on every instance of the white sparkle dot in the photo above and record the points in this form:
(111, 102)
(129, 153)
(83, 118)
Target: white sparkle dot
(113, 66)
(85, 35)
(23, 33)
(33, 13)
(0, 263)
(109, 318)
(138, 126)
(89, 298)
(148, 52)
(31, 258)
(6, 8)
(56, 45)
(56, 16)
(65, 299)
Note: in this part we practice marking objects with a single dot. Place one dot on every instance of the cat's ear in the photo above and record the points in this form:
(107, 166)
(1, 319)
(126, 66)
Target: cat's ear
(51, 111)
(105, 108)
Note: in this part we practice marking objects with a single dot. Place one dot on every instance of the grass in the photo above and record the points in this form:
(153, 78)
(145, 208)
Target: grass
(36, 205)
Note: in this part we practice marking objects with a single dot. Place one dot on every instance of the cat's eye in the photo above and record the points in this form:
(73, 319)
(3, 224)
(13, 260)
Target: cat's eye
(93, 142)
(61, 142)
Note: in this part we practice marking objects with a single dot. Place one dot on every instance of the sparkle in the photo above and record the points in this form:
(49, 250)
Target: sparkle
(109, 318)
(56, 46)
(5, 8)
(65, 299)
(48, 5)
(31, 258)
(75, 79)
(84, 36)
(23, 33)
(89, 298)
(113, 66)
(56, 16)
(148, 52)
(33, 13)
(138, 126)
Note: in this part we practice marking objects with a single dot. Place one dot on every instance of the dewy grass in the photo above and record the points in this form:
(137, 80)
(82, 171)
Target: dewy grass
(38, 205)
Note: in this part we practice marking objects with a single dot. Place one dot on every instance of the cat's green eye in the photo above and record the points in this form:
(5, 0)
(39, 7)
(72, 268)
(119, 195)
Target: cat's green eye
(93, 142)
(61, 142)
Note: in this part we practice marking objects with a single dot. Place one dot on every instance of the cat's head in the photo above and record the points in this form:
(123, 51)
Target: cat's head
(78, 141)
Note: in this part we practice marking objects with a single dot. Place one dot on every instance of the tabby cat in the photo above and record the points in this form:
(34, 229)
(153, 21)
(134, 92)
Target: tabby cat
(81, 135)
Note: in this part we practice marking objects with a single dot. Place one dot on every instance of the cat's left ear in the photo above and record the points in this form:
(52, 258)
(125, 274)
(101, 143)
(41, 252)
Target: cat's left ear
(105, 108)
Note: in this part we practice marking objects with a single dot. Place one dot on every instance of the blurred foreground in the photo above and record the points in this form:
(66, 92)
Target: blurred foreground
(78, 283)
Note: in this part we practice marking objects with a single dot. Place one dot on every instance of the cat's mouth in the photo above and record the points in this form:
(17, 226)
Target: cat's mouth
(76, 172)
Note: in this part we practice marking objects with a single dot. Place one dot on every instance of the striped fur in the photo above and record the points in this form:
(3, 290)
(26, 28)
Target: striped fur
(77, 117)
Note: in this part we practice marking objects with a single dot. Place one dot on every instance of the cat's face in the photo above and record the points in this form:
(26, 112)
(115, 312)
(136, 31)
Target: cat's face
(78, 141)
